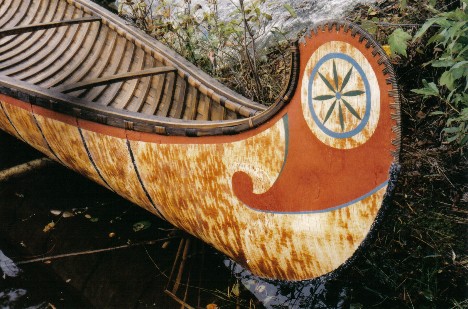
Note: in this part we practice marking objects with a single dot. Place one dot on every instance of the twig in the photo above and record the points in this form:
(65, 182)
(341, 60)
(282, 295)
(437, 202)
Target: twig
(24, 168)
(181, 267)
(250, 59)
(59, 256)
(386, 24)
(177, 299)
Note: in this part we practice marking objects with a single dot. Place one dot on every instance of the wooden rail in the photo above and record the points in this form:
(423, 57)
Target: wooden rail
(48, 25)
(114, 79)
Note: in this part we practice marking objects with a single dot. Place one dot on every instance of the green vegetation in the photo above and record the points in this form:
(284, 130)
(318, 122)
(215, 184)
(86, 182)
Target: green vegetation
(437, 39)
(451, 42)
(229, 50)
(450, 47)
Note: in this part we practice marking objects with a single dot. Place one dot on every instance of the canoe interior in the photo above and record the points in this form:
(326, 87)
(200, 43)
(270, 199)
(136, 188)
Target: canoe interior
(89, 47)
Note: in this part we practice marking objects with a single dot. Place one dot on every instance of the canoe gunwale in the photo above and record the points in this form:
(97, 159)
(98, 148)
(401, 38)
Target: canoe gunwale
(68, 105)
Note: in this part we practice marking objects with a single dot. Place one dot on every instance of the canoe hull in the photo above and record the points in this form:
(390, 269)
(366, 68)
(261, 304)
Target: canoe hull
(189, 182)
(293, 192)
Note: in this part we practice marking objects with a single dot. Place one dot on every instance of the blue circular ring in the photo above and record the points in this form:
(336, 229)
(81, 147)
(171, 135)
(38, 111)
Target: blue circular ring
(364, 120)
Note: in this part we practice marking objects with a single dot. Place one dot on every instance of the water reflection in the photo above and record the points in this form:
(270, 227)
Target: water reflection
(318, 293)
(33, 286)
(9, 297)
(8, 267)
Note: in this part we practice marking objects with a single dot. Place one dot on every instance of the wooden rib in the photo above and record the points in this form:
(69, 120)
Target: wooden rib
(179, 99)
(135, 64)
(217, 111)
(124, 58)
(123, 103)
(168, 96)
(61, 73)
(66, 55)
(193, 97)
(203, 110)
(230, 115)
(18, 18)
(33, 47)
(9, 14)
(155, 94)
(32, 37)
(50, 56)
(114, 79)
(85, 67)
(146, 85)
(115, 48)
(4, 9)
(33, 13)
(49, 25)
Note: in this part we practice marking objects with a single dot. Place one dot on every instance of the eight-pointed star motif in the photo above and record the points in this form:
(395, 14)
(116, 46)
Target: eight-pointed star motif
(338, 95)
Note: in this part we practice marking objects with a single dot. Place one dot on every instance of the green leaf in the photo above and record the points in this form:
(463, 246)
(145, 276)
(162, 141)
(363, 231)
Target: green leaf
(346, 79)
(324, 97)
(426, 26)
(451, 130)
(351, 109)
(452, 138)
(403, 4)
(290, 9)
(398, 41)
(430, 89)
(458, 73)
(464, 140)
(329, 112)
(369, 26)
(435, 38)
(327, 82)
(447, 80)
(425, 92)
(141, 225)
(442, 63)
(353, 93)
(461, 64)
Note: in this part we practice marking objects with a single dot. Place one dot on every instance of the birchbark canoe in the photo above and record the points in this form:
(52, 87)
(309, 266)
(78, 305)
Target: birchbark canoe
(294, 191)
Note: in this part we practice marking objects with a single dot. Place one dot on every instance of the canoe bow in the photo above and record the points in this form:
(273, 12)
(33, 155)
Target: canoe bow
(293, 191)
